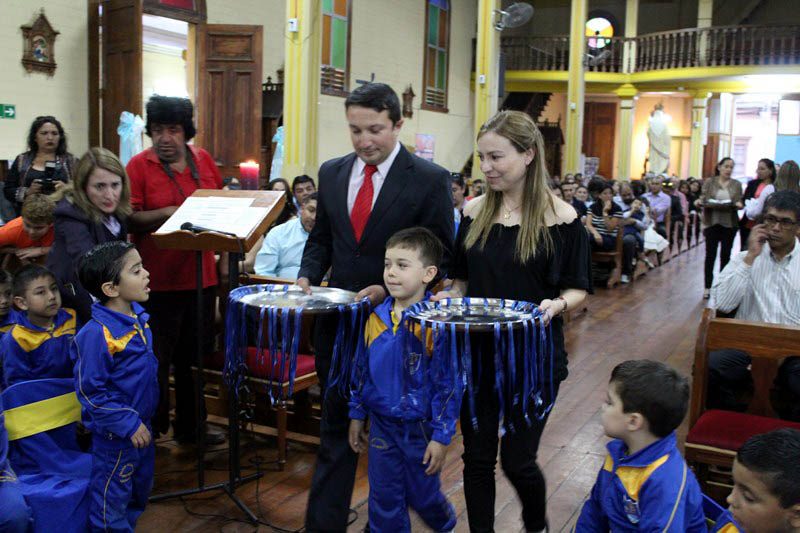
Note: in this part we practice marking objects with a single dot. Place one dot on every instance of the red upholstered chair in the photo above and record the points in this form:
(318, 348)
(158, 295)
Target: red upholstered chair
(715, 435)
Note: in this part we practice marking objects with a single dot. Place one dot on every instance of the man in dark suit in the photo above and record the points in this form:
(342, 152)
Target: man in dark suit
(363, 199)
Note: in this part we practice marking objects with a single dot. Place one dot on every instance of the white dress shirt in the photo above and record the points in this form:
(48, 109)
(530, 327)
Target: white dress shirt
(768, 291)
(357, 178)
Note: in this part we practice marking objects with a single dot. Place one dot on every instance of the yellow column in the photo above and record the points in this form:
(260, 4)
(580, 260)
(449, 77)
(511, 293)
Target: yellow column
(699, 106)
(301, 87)
(487, 63)
(575, 86)
(627, 106)
(631, 24)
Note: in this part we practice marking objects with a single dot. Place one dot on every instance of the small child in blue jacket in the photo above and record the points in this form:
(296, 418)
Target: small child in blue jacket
(116, 377)
(766, 485)
(644, 485)
(37, 346)
(412, 408)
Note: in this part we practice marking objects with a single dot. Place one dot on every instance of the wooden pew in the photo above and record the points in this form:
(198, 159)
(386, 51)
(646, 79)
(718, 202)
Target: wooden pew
(614, 256)
(715, 435)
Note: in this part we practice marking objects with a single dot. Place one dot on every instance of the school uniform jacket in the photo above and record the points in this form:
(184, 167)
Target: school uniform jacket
(651, 490)
(30, 352)
(116, 372)
(396, 378)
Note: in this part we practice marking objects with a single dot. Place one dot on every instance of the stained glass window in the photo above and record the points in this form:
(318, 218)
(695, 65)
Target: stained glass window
(437, 49)
(335, 43)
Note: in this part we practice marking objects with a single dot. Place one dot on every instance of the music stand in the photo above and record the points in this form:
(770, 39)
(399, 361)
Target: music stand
(201, 239)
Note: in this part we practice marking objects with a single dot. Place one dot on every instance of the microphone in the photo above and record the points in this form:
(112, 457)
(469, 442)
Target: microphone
(188, 226)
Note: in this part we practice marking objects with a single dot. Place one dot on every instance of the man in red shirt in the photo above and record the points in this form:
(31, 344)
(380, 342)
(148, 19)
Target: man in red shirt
(31, 235)
(162, 177)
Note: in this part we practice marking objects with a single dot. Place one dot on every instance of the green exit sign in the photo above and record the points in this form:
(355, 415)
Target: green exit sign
(8, 111)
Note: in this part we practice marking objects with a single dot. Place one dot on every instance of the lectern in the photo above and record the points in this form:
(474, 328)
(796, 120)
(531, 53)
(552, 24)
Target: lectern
(219, 221)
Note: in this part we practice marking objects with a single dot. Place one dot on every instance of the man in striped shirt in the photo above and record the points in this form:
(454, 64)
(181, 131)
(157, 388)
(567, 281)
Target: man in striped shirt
(763, 285)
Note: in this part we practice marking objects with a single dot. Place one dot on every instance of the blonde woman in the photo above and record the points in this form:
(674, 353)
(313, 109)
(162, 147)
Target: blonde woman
(92, 209)
(517, 241)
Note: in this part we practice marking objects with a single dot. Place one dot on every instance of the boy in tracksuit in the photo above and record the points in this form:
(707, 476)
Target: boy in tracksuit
(37, 346)
(412, 408)
(644, 485)
(117, 385)
(766, 485)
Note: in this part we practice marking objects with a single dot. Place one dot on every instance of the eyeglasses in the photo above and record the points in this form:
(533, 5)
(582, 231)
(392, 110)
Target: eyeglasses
(786, 223)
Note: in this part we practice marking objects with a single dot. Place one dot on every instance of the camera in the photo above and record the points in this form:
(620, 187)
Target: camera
(48, 182)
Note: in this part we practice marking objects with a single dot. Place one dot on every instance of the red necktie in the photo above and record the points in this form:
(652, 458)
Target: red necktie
(363, 204)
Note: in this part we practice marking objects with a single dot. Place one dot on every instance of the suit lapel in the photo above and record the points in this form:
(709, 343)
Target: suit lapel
(393, 185)
(339, 207)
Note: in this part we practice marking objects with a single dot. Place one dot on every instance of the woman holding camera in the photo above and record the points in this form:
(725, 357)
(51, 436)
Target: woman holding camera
(44, 168)
(91, 210)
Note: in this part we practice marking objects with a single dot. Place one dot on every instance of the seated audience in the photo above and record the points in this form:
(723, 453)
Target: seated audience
(302, 186)
(568, 190)
(459, 188)
(477, 187)
(596, 185)
(677, 211)
(755, 194)
(582, 195)
(15, 514)
(116, 376)
(557, 191)
(761, 284)
(7, 314)
(44, 168)
(282, 252)
(31, 235)
(37, 346)
(603, 223)
(766, 485)
(634, 219)
(644, 485)
(93, 209)
(660, 204)
(289, 210)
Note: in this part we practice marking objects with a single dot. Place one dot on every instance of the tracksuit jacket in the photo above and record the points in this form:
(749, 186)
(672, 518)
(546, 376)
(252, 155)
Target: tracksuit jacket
(30, 352)
(726, 524)
(651, 490)
(399, 382)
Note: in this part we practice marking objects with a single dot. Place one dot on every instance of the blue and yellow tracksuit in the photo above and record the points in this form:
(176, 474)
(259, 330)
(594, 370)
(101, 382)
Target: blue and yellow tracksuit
(30, 352)
(410, 399)
(726, 524)
(6, 323)
(15, 515)
(651, 490)
(116, 377)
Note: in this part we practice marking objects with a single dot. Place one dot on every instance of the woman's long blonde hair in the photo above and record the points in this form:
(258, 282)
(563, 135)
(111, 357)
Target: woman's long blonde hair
(75, 191)
(521, 131)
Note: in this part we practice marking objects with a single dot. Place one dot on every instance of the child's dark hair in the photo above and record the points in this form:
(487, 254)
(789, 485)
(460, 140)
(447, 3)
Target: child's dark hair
(26, 275)
(776, 456)
(655, 390)
(423, 240)
(102, 264)
(5, 277)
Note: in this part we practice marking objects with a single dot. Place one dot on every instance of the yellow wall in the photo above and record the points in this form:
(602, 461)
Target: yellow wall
(680, 109)
(271, 14)
(63, 95)
(405, 36)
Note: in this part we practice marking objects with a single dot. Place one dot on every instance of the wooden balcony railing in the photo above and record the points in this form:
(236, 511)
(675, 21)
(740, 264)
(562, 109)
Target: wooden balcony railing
(694, 47)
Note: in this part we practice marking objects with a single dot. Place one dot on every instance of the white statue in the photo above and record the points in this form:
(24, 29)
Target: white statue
(658, 135)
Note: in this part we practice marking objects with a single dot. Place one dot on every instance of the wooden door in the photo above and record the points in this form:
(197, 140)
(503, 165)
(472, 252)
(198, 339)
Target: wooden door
(229, 94)
(122, 65)
(599, 123)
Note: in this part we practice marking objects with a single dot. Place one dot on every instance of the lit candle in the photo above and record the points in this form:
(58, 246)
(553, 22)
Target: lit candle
(248, 175)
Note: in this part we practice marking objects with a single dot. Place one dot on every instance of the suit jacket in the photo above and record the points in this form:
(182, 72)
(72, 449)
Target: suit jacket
(416, 192)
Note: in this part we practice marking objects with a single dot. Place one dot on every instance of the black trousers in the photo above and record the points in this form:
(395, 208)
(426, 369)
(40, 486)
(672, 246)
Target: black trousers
(518, 451)
(722, 237)
(174, 326)
(335, 473)
(729, 380)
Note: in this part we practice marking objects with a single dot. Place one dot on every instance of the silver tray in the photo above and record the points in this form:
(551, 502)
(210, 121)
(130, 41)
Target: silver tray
(480, 314)
(321, 299)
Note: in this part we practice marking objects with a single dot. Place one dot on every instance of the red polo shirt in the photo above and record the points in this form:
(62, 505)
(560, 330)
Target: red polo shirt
(151, 188)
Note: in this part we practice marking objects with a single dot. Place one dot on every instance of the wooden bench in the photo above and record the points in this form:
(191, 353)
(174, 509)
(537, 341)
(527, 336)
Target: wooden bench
(614, 256)
(715, 435)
